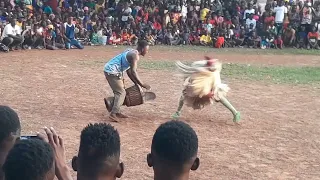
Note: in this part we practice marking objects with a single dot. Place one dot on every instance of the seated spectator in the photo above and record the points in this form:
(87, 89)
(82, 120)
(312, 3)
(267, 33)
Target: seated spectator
(99, 153)
(301, 38)
(50, 39)
(174, 151)
(11, 35)
(9, 132)
(206, 39)
(69, 35)
(313, 37)
(289, 36)
(278, 43)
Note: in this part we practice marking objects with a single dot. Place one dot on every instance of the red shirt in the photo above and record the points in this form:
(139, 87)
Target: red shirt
(212, 21)
(313, 35)
(157, 26)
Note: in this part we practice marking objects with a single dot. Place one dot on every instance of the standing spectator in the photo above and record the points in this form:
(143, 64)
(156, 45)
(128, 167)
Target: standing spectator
(125, 14)
(203, 13)
(280, 14)
(11, 35)
(294, 17)
(306, 17)
(248, 11)
(252, 21)
(69, 35)
(173, 151)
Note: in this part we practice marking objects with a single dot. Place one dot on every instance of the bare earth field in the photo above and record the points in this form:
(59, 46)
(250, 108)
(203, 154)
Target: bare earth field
(278, 137)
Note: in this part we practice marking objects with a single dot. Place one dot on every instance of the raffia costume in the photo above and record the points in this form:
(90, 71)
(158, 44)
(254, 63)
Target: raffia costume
(203, 86)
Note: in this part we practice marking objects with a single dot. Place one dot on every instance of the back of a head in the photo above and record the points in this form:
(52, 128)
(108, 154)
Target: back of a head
(31, 159)
(9, 132)
(174, 146)
(99, 152)
(9, 123)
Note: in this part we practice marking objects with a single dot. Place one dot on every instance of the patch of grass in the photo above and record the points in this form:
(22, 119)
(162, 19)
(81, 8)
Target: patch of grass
(275, 74)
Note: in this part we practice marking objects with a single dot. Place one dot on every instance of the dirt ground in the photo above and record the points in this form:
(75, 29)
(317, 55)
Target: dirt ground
(278, 137)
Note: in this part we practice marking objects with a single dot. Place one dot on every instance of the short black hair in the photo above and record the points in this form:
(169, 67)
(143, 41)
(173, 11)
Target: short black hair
(98, 142)
(142, 44)
(29, 159)
(175, 141)
(9, 122)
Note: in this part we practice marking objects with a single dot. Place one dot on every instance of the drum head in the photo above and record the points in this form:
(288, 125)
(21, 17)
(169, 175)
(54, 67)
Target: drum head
(149, 96)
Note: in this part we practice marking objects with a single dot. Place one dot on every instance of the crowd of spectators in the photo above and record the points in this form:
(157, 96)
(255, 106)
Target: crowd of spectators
(174, 149)
(62, 24)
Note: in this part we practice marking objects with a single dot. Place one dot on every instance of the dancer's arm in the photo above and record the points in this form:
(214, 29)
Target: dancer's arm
(132, 72)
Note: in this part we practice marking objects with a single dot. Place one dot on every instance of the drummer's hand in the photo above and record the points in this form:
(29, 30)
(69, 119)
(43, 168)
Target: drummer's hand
(146, 86)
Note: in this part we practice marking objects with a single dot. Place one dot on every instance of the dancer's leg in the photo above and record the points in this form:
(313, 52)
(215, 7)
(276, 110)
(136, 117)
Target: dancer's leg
(227, 104)
(176, 115)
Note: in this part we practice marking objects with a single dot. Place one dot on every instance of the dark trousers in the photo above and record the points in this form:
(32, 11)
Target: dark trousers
(11, 42)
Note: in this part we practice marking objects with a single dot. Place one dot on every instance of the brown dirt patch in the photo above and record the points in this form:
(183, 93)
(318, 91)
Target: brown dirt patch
(277, 139)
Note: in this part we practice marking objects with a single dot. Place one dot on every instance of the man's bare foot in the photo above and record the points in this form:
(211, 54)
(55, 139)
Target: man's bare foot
(120, 115)
(113, 117)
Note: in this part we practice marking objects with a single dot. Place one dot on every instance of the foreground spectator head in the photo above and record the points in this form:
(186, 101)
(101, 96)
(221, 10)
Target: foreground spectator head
(99, 153)
(9, 132)
(174, 151)
(30, 159)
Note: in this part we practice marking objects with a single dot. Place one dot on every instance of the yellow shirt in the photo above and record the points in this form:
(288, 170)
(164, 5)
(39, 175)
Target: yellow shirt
(206, 38)
(203, 14)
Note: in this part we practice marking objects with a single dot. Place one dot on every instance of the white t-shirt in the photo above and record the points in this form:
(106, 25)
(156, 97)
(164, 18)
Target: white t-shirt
(8, 29)
(127, 13)
(251, 21)
(280, 12)
(248, 11)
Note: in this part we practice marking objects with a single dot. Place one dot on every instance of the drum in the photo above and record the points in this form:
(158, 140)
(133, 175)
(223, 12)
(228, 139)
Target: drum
(134, 96)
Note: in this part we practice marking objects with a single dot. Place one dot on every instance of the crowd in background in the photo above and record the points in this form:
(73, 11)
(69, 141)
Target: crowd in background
(60, 24)
(174, 149)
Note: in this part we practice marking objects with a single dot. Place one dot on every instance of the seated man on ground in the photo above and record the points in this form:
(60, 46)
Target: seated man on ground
(11, 35)
(9, 132)
(99, 153)
(173, 151)
(69, 35)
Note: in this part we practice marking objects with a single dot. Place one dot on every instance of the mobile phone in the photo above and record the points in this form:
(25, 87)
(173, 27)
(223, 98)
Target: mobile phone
(29, 137)
(28, 27)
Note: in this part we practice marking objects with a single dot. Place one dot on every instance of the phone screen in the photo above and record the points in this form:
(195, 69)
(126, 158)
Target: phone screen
(29, 137)
(28, 27)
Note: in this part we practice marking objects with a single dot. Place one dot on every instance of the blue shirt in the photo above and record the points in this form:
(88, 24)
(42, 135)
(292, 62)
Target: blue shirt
(69, 30)
(119, 63)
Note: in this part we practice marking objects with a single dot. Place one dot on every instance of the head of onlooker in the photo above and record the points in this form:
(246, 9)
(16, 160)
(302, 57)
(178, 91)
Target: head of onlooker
(9, 133)
(99, 153)
(173, 151)
(31, 159)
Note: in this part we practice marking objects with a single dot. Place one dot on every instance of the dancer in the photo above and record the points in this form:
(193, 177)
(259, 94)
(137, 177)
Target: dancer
(203, 86)
(113, 71)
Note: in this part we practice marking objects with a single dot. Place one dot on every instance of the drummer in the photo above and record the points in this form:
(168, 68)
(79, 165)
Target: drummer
(113, 70)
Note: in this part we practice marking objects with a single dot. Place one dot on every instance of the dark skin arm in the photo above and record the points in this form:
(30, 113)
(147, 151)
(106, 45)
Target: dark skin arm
(132, 72)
